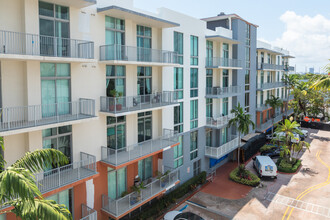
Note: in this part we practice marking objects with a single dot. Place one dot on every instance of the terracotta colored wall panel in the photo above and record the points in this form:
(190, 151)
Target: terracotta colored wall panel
(100, 187)
(132, 172)
(79, 194)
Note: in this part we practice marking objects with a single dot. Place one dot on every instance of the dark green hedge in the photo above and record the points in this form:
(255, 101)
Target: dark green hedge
(285, 167)
(253, 182)
(156, 208)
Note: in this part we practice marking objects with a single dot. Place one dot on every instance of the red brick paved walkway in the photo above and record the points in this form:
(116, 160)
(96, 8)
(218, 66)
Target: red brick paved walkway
(223, 187)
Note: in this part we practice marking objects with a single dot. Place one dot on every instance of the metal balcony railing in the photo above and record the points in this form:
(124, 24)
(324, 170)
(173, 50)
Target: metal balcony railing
(221, 92)
(269, 122)
(134, 103)
(222, 150)
(88, 213)
(117, 157)
(19, 117)
(137, 54)
(262, 107)
(217, 62)
(61, 176)
(288, 68)
(261, 86)
(39, 45)
(219, 122)
(269, 66)
(117, 207)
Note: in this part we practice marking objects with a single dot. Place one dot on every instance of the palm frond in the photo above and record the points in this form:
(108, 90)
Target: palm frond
(44, 209)
(39, 160)
(18, 183)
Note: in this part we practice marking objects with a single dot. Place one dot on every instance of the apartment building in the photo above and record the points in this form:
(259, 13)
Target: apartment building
(128, 96)
(273, 63)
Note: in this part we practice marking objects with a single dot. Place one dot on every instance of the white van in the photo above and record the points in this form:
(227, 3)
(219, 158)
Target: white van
(265, 166)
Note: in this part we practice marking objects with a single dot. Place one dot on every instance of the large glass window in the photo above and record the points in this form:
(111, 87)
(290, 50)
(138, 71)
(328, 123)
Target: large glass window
(262, 77)
(116, 132)
(55, 89)
(208, 137)
(144, 83)
(225, 78)
(268, 77)
(193, 145)
(115, 35)
(225, 106)
(247, 102)
(178, 81)
(117, 183)
(209, 107)
(247, 80)
(193, 82)
(144, 35)
(178, 118)
(116, 80)
(178, 46)
(193, 114)
(261, 97)
(197, 167)
(225, 51)
(54, 30)
(224, 135)
(193, 50)
(144, 126)
(209, 52)
(114, 31)
(209, 78)
(178, 153)
(145, 168)
(64, 198)
(59, 138)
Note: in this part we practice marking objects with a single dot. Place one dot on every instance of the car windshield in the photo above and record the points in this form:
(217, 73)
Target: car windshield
(187, 216)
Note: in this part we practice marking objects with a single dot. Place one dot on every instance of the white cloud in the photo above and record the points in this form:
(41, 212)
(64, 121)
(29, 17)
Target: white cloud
(307, 38)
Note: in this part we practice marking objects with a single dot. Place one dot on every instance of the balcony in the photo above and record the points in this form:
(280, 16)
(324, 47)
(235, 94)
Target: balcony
(288, 68)
(118, 106)
(222, 92)
(222, 63)
(121, 54)
(289, 112)
(269, 66)
(120, 207)
(20, 119)
(222, 150)
(264, 126)
(15, 45)
(117, 157)
(68, 174)
(219, 122)
(272, 85)
(88, 213)
(262, 107)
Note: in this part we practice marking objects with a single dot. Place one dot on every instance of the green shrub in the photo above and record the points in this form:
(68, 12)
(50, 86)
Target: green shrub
(156, 208)
(236, 174)
(288, 166)
(266, 147)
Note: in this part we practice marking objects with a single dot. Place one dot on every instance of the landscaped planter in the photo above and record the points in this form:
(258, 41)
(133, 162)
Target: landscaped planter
(253, 181)
(285, 167)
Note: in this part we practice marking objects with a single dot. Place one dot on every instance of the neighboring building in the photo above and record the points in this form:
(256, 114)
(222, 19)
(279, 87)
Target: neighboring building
(126, 93)
(311, 70)
(273, 63)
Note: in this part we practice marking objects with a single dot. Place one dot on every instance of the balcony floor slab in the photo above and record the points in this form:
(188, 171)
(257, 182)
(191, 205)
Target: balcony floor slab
(45, 58)
(29, 126)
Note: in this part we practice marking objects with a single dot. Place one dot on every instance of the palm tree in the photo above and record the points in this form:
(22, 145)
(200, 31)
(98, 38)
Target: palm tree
(299, 146)
(242, 121)
(274, 102)
(290, 82)
(18, 186)
(322, 82)
(288, 128)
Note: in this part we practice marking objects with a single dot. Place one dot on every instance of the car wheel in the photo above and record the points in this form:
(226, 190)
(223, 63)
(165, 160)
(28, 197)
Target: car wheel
(275, 177)
(260, 176)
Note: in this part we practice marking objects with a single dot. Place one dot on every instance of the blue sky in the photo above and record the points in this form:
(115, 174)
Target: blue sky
(267, 14)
